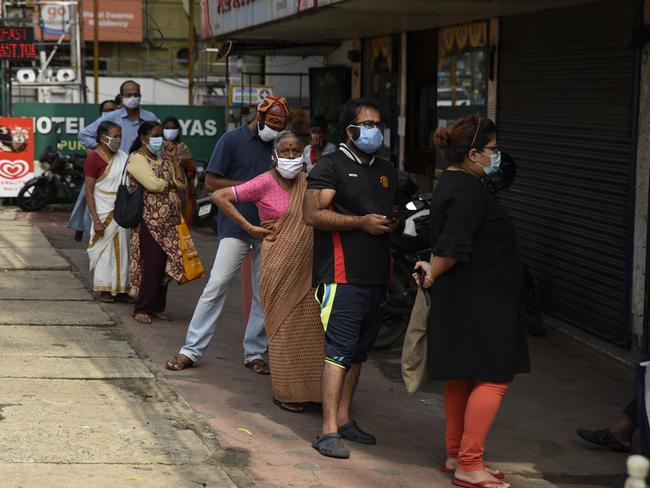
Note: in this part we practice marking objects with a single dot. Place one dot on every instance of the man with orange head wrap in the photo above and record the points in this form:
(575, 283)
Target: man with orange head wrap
(239, 156)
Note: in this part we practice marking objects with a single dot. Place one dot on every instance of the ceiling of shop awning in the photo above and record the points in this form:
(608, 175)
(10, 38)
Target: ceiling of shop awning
(368, 18)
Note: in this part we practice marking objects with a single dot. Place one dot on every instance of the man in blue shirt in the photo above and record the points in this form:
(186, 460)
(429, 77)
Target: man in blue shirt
(129, 118)
(240, 155)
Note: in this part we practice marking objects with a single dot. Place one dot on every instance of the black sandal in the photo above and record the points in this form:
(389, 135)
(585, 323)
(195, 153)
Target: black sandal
(603, 438)
(352, 432)
(331, 445)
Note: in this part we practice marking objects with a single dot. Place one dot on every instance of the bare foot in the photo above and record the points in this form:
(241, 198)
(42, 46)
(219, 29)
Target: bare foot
(452, 464)
(479, 476)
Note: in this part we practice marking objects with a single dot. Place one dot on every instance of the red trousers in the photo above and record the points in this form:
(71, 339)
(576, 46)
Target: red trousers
(470, 409)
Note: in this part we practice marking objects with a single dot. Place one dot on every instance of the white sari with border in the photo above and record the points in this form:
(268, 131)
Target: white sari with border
(109, 254)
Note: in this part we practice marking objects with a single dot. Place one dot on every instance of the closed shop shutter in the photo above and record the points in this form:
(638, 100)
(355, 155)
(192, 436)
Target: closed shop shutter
(566, 113)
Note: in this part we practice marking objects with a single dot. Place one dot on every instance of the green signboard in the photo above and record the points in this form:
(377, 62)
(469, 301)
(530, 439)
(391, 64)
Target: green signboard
(201, 126)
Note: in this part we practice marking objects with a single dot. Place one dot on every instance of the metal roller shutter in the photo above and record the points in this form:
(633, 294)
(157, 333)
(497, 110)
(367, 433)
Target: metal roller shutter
(566, 113)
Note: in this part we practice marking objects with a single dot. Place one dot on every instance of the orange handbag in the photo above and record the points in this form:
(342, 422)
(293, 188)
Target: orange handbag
(192, 267)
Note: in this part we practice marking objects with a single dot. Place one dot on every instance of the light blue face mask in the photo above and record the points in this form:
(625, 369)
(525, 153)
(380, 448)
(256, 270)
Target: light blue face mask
(493, 167)
(156, 144)
(370, 140)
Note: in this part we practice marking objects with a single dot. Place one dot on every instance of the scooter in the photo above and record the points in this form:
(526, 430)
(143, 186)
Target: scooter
(205, 212)
(60, 182)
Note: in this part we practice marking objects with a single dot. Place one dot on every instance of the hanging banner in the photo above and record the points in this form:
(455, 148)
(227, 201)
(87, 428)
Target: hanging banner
(119, 20)
(201, 126)
(16, 154)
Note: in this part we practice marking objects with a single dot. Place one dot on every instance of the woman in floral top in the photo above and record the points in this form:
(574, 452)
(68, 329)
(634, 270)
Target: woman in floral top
(155, 251)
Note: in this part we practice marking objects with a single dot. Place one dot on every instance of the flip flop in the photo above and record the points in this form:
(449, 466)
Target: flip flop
(179, 362)
(106, 299)
(287, 407)
(162, 316)
(496, 473)
(352, 432)
(479, 484)
(331, 445)
(146, 320)
(603, 438)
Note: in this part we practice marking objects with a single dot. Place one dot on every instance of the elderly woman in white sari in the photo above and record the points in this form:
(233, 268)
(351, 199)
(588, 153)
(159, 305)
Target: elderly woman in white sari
(108, 249)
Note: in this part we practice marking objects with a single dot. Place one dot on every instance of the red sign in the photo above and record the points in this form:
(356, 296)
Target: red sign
(17, 43)
(225, 5)
(119, 20)
(16, 154)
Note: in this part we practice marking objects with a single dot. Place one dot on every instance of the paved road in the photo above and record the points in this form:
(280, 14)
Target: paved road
(533, 438)
(79, 407)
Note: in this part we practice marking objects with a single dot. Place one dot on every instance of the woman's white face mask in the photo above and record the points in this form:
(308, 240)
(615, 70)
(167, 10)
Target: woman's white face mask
(113, 143)
(287, 167)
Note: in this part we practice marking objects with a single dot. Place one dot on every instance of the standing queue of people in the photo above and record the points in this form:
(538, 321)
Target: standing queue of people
(135, 265)
(321, 261)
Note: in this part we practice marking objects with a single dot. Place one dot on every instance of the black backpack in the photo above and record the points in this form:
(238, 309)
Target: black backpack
(128, 206)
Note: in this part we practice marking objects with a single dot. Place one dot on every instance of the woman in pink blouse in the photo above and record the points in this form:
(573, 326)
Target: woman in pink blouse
(291, 313)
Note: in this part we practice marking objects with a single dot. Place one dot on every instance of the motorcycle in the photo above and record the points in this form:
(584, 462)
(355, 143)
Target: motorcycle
(205, 212)
(411, 245)
(60, 182)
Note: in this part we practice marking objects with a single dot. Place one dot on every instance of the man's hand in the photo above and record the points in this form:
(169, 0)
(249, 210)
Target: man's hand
(375, 225)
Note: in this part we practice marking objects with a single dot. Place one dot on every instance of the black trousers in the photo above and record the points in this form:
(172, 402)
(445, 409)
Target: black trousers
(153, 289)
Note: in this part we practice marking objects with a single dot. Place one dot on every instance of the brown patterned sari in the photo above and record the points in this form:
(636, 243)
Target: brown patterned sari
(291, 313)
(161, 215)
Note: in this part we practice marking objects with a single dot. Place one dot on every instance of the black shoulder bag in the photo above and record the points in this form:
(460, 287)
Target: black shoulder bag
(128, 206)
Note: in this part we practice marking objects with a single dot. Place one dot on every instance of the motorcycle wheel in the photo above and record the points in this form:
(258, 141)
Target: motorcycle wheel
(33, 196)
(392, 330)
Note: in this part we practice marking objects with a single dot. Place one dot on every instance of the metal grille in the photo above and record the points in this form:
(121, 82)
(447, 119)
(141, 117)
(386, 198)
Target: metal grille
(566, 113)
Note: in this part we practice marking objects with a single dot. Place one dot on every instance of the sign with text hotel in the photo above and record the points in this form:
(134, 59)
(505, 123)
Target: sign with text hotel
(220, 17)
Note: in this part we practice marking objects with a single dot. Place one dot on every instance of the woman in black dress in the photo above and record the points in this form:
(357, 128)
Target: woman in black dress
(476, 339)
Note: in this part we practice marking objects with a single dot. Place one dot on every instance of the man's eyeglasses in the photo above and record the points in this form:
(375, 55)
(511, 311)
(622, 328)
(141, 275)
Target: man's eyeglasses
(370, 124)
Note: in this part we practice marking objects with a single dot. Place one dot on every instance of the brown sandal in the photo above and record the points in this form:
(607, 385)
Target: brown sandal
(106, 298)
(258, 366)
(143, 318)
(179, 362)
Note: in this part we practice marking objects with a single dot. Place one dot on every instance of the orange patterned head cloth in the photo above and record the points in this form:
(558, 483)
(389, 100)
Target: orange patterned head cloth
(273, 105)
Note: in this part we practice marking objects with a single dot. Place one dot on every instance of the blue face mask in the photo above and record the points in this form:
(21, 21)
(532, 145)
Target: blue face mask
(370, 140)
(493, 167)
(156, 144)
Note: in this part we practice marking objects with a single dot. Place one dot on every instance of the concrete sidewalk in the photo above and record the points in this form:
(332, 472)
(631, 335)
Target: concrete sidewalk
(79, 408)
(533, 439)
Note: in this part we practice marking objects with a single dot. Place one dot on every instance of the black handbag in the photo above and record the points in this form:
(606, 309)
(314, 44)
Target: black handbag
(128, 206)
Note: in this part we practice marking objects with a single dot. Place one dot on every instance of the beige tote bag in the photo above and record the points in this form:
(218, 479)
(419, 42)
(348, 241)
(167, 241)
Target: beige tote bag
(414, 350)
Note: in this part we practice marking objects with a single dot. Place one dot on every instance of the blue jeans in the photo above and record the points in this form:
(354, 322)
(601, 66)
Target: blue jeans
(230, 255)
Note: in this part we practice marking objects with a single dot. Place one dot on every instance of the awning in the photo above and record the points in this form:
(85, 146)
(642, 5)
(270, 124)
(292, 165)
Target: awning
(349, 19)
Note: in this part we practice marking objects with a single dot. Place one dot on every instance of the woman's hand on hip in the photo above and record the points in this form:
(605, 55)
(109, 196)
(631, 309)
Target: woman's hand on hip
(258, 233)
(425, 281)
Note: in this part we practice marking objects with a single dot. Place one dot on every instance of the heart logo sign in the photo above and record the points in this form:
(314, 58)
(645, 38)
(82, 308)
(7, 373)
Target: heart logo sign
(13, 170)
